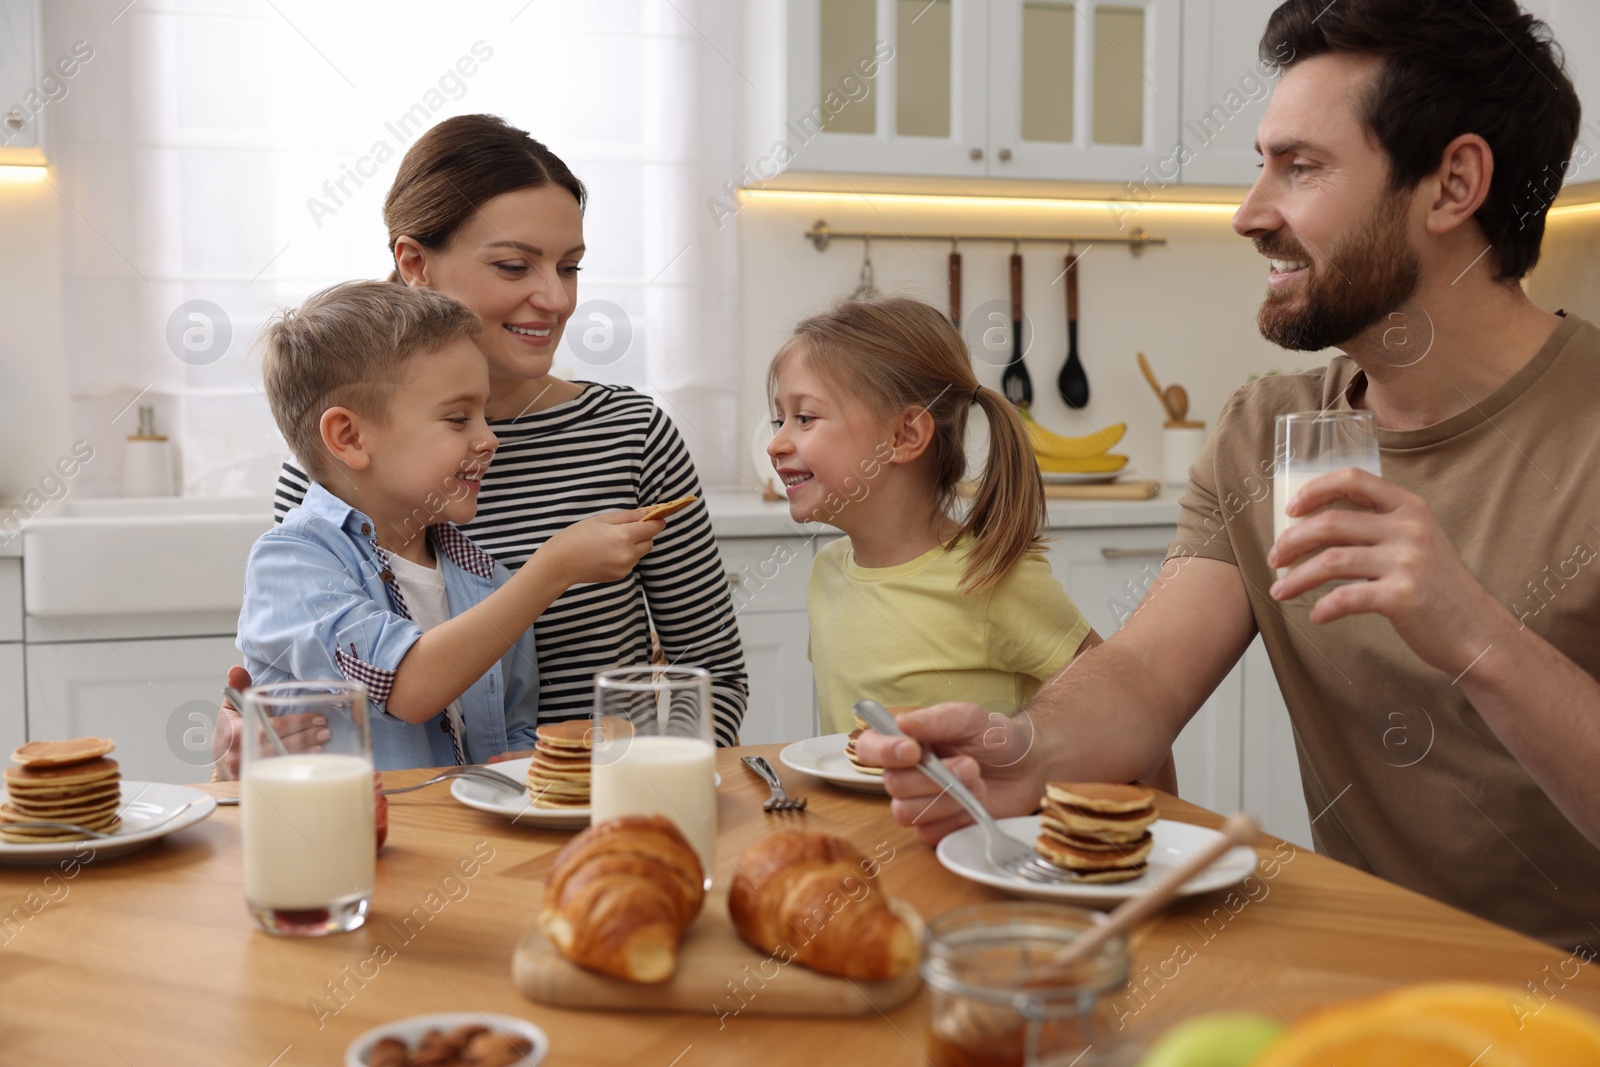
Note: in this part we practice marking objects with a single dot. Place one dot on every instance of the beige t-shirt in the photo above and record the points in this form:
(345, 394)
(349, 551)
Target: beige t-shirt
(1409, 781)
(907, 636)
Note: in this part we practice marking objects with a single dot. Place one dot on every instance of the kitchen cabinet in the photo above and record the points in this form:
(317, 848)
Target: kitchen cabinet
(1226, 87)
(13, 698)
(10, 600)
(767, 578)
(1107, 571)
(21, 98)
(782, 695)
(1044, 89)
(13, 695)
(155, 698)
(1238, 751)
(1271, 781)
(1576, 24)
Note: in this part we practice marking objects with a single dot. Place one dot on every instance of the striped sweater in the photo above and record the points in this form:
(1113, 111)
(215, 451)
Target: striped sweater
(610, 449)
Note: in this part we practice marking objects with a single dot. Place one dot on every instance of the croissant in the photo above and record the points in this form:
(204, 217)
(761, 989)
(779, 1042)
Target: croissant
(807, 897)
(621, 895)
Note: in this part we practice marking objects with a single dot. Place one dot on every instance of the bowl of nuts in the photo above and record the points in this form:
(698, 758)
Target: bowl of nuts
(450, 1039)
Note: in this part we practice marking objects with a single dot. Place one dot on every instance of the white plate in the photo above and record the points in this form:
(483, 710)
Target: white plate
(411, 1030)
(823, 757)
(143, 805)
(518, 807)
(962, 853)
(1081, 478)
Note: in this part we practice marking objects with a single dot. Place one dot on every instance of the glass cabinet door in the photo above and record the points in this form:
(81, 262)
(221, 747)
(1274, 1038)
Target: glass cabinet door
(887, 86)
(1083, 89)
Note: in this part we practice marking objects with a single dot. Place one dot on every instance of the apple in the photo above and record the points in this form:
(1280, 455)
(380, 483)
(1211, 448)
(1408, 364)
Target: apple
(1220, 1039)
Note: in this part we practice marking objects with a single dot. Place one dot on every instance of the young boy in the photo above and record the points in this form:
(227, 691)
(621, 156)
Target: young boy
(380, 392)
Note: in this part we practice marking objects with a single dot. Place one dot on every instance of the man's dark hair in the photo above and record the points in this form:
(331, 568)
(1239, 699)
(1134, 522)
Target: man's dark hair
(1452, 67)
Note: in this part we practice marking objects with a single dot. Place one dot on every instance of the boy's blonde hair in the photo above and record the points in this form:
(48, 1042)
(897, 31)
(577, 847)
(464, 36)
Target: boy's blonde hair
(893, 353)
(348, 346)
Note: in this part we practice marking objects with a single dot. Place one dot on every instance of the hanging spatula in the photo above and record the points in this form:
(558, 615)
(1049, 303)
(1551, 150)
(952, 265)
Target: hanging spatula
(1073, 383)
(1015, 383)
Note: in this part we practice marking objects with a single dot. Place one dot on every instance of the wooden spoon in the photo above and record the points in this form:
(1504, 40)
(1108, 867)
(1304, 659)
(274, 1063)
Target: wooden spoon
(1240, 829)
(1155, 387)
(1176, 399)
(955, 287)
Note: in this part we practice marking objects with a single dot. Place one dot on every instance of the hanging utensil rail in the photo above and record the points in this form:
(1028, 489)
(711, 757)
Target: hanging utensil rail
(1136, 240)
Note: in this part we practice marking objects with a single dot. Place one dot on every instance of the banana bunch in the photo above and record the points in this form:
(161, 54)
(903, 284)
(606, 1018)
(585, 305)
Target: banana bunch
(1089, 454)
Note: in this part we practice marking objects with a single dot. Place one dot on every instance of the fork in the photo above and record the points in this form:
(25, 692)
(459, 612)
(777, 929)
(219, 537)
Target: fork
(45, 824)
(779, 801)
(477, 774)
(1005, 853)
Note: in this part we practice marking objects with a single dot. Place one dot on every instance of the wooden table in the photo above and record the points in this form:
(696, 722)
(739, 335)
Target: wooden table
(150, 959)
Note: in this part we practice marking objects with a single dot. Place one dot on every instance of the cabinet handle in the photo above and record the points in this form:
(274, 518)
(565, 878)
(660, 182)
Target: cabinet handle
(975, 154)
(1134, 553)
(734, 578)
(15, 119)
(1005, 155)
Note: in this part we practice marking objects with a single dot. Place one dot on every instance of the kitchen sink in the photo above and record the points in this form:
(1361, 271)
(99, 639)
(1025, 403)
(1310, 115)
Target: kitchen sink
(140, 556)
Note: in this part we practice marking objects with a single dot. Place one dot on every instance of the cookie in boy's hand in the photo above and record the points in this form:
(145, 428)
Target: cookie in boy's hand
(667, 507)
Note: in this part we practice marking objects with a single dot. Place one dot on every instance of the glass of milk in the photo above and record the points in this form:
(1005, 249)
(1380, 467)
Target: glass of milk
(310, 842)
(653, 751)
(1309, 444)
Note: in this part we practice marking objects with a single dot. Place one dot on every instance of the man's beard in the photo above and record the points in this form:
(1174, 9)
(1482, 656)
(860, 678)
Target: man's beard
(1368, 274)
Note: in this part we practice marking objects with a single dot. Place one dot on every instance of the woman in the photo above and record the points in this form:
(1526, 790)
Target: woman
(483, 212)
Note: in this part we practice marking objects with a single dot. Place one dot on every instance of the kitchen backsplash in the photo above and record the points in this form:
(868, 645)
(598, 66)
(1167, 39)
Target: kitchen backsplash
(1189, 306)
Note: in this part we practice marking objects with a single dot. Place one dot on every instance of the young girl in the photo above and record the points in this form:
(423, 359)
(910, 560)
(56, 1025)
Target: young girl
(915, 606)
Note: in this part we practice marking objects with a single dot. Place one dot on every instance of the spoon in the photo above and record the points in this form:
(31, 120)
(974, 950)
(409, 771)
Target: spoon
(1176, 399)
(1073, 383)
(955, 286)
(1015, 383)
(1155, 387)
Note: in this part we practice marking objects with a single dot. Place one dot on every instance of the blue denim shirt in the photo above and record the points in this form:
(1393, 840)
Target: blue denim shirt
(321, 602)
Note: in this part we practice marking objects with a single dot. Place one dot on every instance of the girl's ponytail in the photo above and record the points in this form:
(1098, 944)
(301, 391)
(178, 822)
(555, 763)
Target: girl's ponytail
(1009, 509)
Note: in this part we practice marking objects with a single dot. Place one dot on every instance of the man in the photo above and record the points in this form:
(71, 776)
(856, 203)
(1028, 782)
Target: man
(1409, 155)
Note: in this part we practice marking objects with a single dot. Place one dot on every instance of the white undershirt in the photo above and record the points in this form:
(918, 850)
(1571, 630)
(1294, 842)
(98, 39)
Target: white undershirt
(424, 593)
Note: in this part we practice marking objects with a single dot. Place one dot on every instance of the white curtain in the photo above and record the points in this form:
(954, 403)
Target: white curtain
(238, 153)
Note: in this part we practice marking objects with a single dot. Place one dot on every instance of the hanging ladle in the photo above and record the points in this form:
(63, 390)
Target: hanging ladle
(867, 287)
(1073, 383)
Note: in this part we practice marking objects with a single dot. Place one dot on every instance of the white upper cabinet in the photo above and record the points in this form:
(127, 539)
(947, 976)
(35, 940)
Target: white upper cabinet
(22, 98)
(1081, 91)
(1576, 24)
(1038, 89)
(887, 86)
(1225, 90)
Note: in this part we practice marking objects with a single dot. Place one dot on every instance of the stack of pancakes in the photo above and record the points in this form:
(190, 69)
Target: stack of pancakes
(61, 781)
(1098, 831)
(558, 776)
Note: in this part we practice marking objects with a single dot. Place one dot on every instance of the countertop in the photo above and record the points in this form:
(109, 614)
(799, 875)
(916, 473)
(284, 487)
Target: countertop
(747, 515)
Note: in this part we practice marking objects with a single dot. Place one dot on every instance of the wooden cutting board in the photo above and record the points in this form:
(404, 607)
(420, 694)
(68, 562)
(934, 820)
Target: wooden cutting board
(1103, 491)
(1106, 491)
(717, 974)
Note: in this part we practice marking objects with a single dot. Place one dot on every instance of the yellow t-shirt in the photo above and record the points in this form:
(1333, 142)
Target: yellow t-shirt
(908, 635)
